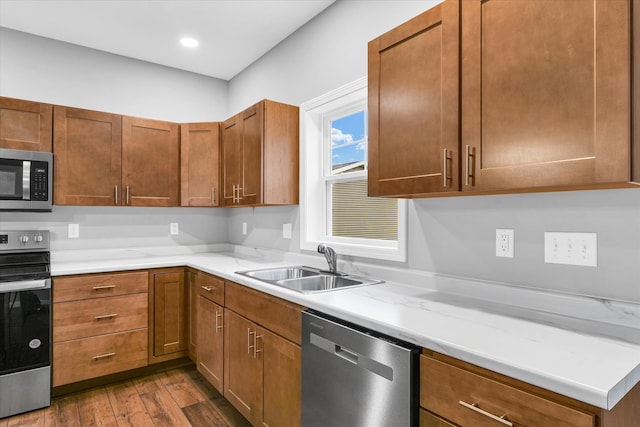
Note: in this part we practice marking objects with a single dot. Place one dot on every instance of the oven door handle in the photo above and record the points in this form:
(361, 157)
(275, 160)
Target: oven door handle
(24, 285)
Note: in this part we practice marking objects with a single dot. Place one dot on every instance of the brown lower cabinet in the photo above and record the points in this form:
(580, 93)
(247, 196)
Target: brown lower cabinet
(456, 393)
(168, 315)
(99, 325)
(262, 375)
(210, 332)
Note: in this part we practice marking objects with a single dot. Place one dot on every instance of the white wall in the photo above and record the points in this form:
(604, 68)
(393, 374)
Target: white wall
(45, 70)
(454, 236)
(41, 69)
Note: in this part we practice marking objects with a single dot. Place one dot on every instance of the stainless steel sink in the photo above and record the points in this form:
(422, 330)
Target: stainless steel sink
(307, 279)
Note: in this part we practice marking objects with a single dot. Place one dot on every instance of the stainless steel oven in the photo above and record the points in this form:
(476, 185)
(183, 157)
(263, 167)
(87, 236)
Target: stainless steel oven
(26, 180)
(25, 321)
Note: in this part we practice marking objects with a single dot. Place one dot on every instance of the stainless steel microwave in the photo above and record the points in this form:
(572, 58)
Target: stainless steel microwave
(26, 180)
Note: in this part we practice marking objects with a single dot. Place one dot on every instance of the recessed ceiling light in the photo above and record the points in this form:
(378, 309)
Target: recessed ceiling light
(188, 42)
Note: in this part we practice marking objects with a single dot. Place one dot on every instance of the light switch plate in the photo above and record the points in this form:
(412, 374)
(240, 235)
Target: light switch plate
(244, 228)
(286, 231)
(571, 248)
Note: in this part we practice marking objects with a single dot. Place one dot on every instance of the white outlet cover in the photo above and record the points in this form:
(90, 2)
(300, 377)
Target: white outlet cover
(173, 229)
(73, 231)
(244, 228)
(504, 242)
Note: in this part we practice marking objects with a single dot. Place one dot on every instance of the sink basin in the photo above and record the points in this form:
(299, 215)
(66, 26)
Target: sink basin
(307, 279)
(285, 273)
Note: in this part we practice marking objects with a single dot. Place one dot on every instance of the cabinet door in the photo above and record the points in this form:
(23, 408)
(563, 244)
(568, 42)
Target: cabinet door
(414, 105)
(251, 186)
(25, 125)
(282, 381)
(150, 162)
(243, 382)
(170, 314)
(200, 164)
(545, 94)
(231, 142)
(87, 153)
(193, 314)
(211, 342)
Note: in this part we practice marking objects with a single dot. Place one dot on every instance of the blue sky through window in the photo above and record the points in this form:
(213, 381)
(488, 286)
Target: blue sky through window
(348, 140)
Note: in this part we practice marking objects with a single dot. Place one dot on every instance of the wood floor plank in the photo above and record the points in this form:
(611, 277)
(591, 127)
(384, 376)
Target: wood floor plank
(63, 412)
(181, 388)
(163, 410)
(175, 398)
(204, 414)
(127, 405)
(95, 409)
(29, 419)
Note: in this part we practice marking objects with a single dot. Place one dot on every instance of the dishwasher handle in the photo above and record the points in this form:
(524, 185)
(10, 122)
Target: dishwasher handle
(362, 360)
(346, 354)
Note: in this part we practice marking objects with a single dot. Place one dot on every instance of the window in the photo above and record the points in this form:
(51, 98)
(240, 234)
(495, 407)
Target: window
(335, 208)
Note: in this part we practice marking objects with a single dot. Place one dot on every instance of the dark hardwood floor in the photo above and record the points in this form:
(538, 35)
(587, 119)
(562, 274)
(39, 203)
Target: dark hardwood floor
(178, 397)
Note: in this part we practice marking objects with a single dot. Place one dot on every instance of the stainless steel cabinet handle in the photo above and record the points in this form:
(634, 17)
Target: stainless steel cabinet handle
(103, 356)
(213, 196)
(239, 196)
(127, 197)
(99, 288)
(249, 346)
(469, 152)
(445, 168)
(474, 407)
(115, 195)
(207, 288)
(218, 326)
(106, 316)
(234, 193)
(256, 337)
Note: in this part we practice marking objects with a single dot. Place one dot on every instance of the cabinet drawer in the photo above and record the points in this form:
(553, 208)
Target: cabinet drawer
(427, 419)
(73, 288)
(450, 391)
(81, 319)
(277, 315)
(210, 287)
(87, 358)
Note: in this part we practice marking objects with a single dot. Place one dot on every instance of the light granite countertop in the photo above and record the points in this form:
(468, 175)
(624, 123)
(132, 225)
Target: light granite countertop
(585, 348)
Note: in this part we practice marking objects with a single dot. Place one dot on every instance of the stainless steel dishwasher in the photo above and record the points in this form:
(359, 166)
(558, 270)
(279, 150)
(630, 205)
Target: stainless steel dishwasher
(355, 377)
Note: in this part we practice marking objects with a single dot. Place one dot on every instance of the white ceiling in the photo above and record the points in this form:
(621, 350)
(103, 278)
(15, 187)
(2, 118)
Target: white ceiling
(232, 33)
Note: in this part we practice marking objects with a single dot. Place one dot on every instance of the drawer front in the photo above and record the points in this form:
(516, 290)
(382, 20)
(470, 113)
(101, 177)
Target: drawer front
(72, 288)
(210, 287)
(87, 358)
(468, 399)
(98, 316)
(427, 419)
(277, 315)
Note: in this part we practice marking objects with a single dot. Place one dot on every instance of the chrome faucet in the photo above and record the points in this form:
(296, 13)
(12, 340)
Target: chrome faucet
(331, 257)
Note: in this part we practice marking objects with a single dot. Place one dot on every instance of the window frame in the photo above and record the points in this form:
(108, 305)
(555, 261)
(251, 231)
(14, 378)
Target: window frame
(314, 212)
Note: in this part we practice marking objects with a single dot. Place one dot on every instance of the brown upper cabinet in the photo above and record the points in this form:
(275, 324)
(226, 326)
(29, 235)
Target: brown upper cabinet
(200, 160)
(546, 94)
(150, 162)
(25, 125)
(259, 150)
(87, 157)
(544, 100)
(104, 159)
(414, 106)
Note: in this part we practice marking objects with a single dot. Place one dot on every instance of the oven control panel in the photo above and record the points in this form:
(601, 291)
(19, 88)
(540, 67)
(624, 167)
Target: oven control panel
(21, 240)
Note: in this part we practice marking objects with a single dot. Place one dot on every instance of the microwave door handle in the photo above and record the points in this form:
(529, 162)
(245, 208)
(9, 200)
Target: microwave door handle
(26, 180)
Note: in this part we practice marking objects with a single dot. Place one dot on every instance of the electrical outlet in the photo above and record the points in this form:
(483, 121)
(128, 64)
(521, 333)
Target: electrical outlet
(571, 248)
(244, 228)
(504, 242)
(73, 231)
(286, 231)
(173, 229)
